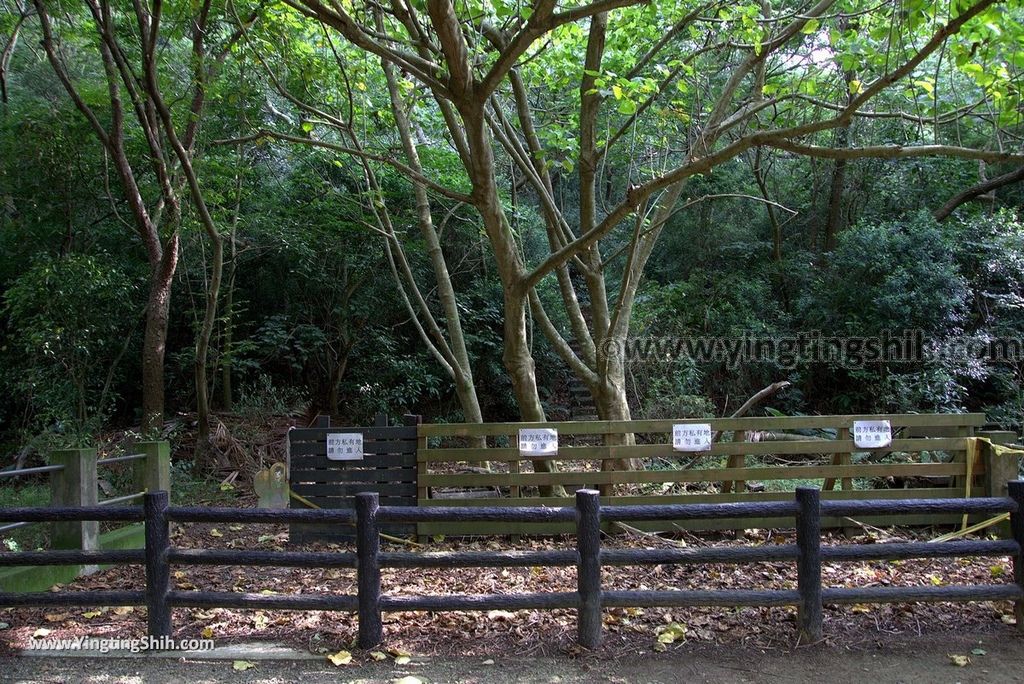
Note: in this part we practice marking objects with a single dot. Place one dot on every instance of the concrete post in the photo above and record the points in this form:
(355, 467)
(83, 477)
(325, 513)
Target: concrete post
(153, 473)
(75, 485)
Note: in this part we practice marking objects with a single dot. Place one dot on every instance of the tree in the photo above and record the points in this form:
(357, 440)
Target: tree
(344, 115)
(666, 93)
(71, 321)
(126, 41)
(12, 20)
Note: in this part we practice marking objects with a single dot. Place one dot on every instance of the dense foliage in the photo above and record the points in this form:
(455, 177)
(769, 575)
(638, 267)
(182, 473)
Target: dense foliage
(330, 297)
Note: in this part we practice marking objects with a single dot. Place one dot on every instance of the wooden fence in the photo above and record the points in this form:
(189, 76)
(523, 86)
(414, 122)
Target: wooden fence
(387, 467)
(590, 597)
(928, 458)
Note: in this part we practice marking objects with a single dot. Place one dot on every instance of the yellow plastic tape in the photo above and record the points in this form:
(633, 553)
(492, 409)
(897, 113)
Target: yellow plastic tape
(973, 451)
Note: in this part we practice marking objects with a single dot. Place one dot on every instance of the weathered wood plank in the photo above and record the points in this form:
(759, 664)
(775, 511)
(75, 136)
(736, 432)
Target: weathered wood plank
(311, 462)
(906, 550)
(319, 434)
(339, 489)
(480, 602)
(600, 452)
(380, 475)
(785, 423)
(230, 599)
(692, 475)
(722, 597)
(993, 592)
(919, 493)
(311, 534)
(454, 529)
(473, 529)
(389, 447)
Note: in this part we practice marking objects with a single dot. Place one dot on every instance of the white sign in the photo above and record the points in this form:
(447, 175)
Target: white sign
(691, 437)
(538, 442)
(872, 434)
(345, 446)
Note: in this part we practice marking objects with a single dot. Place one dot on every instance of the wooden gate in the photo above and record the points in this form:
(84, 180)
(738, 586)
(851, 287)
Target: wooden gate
(387, 468)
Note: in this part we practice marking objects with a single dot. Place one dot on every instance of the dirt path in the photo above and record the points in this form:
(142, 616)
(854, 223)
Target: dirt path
(923, 660)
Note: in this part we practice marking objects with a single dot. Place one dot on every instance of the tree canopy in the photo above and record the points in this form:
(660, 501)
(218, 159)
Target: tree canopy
(468, 206)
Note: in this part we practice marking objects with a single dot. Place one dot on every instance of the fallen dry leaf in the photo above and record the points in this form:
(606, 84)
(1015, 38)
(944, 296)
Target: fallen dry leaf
(500, 615)
(669, 634)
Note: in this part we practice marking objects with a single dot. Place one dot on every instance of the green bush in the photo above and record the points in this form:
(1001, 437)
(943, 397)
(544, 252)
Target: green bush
(71, 319)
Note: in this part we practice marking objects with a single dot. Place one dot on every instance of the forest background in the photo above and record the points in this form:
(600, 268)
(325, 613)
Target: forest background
(460, 209)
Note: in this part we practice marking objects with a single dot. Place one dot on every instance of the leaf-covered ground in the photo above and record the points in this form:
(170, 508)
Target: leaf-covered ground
(631, 630)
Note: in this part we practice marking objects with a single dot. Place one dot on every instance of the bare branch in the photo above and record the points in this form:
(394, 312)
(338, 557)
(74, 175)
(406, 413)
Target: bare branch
(892, 151)
(336, 17)
(976, 191)
(420, 178)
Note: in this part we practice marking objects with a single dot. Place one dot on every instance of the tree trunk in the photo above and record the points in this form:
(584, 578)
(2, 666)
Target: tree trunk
(834, 223)
(518, 361)
(5, 58)
(612, 404)
(462, 371)
(334, 392)
(155, 340)
(203, 446)
(226, 391)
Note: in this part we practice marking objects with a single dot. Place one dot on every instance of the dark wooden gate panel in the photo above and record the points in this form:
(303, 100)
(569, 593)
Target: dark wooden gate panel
(388, 468)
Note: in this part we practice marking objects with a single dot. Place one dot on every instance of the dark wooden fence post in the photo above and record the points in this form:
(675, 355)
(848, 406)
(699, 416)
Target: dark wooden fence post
(1016, 491)
(158, 569)
(808, 565)
(371, 630)
(588, 568)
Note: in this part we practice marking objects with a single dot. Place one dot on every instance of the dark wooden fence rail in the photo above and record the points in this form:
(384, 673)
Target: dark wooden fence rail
(589, 599)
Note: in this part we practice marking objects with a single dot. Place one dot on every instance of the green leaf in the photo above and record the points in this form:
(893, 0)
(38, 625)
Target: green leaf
(926, 86)
(811, 26)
